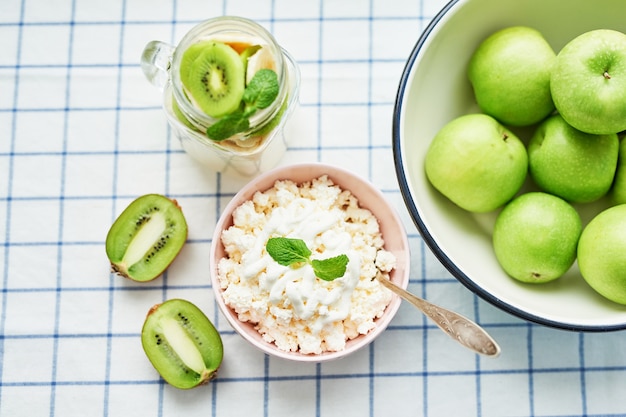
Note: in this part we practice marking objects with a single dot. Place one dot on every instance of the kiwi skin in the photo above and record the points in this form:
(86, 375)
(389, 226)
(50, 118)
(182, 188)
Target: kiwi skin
(194, 331)
(154, 228)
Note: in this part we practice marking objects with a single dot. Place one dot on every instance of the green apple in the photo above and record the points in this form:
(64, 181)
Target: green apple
(535, 237)
(510, 75)
(476, 162)
(577, 166)
(588, 82)
(618, 192)
(602, 253)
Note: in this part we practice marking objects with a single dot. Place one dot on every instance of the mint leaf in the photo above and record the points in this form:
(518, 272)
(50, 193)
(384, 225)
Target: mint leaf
(262, 89)
(228, 126)
(259, 94)
(331, 268)
(287, 251)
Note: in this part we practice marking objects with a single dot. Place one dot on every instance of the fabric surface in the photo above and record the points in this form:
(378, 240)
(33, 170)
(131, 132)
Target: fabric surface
(82, 133)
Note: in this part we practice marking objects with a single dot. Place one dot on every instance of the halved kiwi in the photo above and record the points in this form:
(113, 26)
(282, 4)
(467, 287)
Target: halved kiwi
(215, 79)
(146, 237)
(181, 343)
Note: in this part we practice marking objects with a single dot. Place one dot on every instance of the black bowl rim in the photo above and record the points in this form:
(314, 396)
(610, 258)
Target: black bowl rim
(415, 215)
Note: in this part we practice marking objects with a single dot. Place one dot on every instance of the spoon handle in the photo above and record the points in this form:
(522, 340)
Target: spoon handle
(458, 327)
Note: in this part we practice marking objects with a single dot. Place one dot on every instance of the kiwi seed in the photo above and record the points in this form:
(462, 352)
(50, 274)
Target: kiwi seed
(182, 344)
(146, 237)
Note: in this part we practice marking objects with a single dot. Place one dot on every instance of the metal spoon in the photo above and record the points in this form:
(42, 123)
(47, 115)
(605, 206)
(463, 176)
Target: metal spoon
(458, 327)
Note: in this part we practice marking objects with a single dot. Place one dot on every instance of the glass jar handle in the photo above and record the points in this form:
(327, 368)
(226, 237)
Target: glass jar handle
(156, 60)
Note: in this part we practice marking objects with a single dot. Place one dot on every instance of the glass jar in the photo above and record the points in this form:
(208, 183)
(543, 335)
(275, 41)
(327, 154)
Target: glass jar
(249, 152)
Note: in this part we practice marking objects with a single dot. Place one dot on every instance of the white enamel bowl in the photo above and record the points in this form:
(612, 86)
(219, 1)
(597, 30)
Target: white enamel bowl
(434, 90)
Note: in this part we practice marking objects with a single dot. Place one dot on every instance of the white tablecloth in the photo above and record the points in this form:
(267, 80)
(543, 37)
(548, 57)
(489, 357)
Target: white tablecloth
(82, 133)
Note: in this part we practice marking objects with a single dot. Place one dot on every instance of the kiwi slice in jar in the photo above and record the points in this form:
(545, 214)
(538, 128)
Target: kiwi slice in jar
(181, 343)
(213, 75)
(189, 56)
(146, 237)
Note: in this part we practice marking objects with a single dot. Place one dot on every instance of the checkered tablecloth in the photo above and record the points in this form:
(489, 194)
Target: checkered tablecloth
(82, 133)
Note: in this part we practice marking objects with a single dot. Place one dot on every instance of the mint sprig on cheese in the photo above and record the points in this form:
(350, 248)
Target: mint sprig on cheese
(294, 252)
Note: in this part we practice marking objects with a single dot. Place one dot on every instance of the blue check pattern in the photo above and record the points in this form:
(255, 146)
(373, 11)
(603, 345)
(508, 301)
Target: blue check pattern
(82, 133)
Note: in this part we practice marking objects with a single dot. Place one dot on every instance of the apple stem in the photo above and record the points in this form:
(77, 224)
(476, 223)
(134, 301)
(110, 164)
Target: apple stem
(607, 75)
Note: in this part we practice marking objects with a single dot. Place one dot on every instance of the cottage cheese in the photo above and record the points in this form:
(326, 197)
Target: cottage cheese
(290, 306)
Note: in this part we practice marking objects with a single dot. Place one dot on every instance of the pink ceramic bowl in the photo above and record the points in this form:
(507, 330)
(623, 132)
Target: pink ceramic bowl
(369, 197)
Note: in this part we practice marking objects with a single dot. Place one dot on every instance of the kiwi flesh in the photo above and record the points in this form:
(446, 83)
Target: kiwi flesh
(181, 116)
(181, 343)
(213, 75)
(146, 237)
(190, 55)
